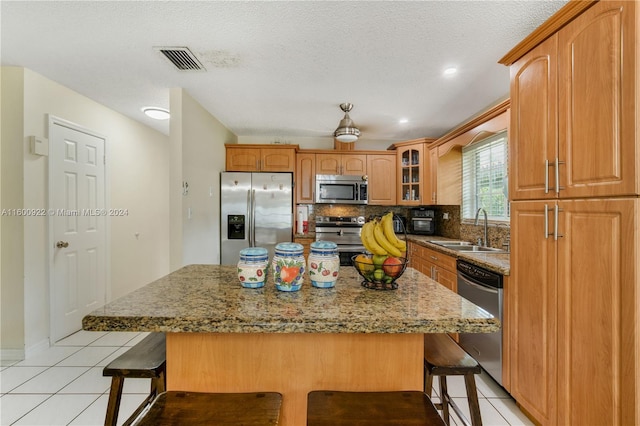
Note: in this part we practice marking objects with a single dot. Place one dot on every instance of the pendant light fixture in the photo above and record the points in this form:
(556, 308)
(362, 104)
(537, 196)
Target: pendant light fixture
(347, 130)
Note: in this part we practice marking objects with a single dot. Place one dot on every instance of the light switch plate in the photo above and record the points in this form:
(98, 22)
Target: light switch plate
(39, 146)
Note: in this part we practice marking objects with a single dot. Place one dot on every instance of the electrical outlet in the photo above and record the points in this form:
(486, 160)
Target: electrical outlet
(445, 216)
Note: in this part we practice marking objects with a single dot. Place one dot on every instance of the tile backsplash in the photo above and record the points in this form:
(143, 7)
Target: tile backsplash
(452, 227)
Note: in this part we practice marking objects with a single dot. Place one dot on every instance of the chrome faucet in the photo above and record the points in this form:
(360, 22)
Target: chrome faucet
(485, 224)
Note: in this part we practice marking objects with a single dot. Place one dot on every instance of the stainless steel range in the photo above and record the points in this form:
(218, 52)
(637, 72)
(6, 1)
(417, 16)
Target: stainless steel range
(344, 231)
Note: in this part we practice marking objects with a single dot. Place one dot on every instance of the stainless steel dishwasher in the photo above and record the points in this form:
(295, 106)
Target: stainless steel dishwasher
(483, 288)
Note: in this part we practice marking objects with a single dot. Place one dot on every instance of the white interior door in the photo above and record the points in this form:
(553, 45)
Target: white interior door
(78, 226)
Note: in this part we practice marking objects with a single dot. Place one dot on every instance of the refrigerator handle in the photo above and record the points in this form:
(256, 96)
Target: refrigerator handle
(253, 217)
(249, 217)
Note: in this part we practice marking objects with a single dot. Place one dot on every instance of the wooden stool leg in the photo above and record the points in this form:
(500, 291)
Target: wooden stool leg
(444, 398)
(428, 383)
(113, 406)
(472, 397)
(161, 385)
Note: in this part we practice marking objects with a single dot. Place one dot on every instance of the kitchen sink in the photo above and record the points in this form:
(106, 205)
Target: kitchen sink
(466, 247)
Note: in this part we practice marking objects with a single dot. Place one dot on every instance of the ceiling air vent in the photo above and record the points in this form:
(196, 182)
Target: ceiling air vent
(182, 58)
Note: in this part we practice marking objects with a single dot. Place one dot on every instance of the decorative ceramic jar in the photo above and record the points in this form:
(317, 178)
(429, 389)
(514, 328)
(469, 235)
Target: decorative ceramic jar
(288, 266)
(253, 266)
(324, 264)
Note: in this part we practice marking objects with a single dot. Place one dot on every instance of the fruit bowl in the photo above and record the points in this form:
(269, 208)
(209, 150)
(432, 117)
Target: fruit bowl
(379, 272)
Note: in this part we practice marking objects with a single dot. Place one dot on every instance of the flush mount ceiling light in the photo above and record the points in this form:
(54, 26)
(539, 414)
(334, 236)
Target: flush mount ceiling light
(156, 113)
(450, 71)
(347, 130)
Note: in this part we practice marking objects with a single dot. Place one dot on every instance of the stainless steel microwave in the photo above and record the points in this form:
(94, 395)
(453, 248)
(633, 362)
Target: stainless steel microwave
(341, 189)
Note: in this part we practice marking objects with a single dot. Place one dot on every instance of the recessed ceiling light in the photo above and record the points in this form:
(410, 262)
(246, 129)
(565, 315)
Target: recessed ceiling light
(404, 120)
(450, 71)
(156, 113)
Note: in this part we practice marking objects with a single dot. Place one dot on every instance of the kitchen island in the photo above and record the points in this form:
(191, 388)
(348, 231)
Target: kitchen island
(225, 338)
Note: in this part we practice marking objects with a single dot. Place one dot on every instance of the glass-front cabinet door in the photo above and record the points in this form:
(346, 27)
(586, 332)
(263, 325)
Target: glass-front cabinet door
(411, 174)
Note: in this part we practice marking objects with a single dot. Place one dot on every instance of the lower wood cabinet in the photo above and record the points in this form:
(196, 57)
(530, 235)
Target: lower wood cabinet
(432, 263)
(306, 244)
(437, 266)
(574, 311)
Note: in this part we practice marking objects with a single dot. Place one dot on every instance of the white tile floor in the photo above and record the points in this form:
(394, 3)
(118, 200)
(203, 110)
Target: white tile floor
(64, 386)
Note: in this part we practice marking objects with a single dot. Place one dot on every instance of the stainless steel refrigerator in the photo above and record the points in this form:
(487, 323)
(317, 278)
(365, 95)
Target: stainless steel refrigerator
(256, 210)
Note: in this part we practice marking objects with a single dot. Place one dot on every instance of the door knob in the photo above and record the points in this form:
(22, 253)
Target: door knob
(62, 244)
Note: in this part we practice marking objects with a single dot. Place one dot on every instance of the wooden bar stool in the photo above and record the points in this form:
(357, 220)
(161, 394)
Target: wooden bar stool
(147, 359)
(176, 408)
(444, 357)
(399, 408)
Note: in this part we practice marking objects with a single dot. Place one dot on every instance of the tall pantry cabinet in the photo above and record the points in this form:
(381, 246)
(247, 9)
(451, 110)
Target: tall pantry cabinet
(575, 217)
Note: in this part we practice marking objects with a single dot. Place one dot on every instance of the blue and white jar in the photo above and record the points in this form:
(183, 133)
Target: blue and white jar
(324, 264)
(288, 266)
(253, 266)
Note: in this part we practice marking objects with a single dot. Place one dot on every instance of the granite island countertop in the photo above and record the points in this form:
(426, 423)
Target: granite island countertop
(209, 298)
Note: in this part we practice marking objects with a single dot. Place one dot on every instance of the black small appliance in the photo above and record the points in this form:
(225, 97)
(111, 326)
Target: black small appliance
(422, 221)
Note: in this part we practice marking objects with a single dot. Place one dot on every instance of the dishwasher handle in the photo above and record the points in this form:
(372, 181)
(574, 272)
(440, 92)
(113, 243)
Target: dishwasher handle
(477, 285)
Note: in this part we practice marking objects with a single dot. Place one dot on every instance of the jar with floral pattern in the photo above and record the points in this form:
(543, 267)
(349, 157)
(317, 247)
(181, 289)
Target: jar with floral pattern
(324, 264)
(288, 266)
(253, 266)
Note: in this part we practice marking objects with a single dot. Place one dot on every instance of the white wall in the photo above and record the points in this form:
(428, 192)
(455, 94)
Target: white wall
(12, 229)
(200, 142)
(138, 177)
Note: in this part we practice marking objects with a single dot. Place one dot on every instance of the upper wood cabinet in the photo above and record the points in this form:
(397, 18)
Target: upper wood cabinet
(411, 173)
(305, 178)
(574, 109)
(341, 164)
(260, 158)
(382, 190)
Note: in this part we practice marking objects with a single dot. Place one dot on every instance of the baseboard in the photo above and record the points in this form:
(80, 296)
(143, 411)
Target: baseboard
(37, 348)
(7, 355)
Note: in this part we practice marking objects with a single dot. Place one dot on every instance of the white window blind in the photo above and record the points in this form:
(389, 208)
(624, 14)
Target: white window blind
(484, 178)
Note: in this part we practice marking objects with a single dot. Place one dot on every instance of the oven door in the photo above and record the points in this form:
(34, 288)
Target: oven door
(347, 252)
(423, 225)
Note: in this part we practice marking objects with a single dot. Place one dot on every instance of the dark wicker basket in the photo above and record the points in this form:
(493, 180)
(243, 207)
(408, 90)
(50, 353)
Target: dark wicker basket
(383, 278)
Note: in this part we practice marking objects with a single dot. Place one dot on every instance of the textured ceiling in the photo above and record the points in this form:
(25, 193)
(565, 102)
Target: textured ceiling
(281, 69)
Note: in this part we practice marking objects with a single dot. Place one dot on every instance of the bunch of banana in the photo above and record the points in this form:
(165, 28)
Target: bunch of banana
(387, 228)
(378, 237)
(368, 239)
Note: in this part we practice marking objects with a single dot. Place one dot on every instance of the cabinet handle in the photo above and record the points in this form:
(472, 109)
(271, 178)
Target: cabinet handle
(546, 176)
(555, 225)
(546, 221)
(434, 257)
(558, 162)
